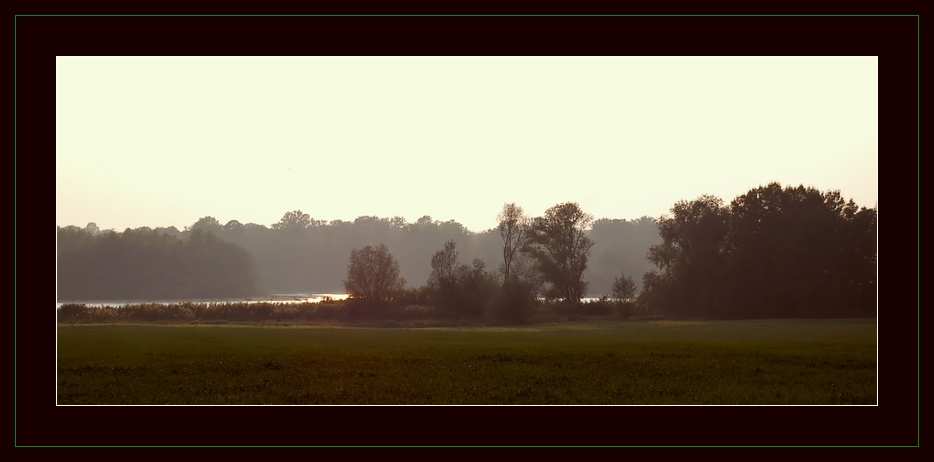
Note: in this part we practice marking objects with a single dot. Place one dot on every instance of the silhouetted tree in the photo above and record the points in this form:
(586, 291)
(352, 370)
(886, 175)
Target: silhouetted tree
(442, 282)
(373, 273)
(512, 228)
(560, 247)
(624, 288)
(691, 256)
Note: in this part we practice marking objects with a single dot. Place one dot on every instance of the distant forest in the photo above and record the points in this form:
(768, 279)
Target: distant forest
(300, 254)
(771, 252)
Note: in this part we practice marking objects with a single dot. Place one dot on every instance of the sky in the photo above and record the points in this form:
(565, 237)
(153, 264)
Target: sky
(164, 141)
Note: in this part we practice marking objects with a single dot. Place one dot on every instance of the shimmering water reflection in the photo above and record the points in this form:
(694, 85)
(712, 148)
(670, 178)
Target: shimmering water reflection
(275, 298)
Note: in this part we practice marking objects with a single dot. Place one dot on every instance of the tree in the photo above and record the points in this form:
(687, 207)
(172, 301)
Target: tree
(171, 231)
(443, 268)
(397, 222)
(424, 221)
(691, 257)
(293, 220)
(624, 288)
(373, 273)
(513, 226)
(560, 248)
(207, 224)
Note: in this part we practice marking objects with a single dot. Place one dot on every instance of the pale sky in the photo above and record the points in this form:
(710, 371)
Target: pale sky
(164, 141)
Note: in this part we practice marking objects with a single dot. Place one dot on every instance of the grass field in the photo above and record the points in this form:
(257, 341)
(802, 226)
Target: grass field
(653, 362)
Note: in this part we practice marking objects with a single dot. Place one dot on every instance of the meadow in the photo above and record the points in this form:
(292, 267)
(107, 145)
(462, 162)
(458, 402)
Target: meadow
(662, 362)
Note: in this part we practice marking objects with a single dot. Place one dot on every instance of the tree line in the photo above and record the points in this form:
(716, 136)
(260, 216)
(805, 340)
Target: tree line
(303, 254)
(772, 252)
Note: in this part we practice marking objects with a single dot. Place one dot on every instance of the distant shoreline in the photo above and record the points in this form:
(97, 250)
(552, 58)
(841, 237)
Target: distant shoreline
(277, 298)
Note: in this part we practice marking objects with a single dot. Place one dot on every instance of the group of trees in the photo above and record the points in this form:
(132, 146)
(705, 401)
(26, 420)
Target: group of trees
(149, 265)
(300, 253)
(459, 288)
(772, 252)
(551, 251)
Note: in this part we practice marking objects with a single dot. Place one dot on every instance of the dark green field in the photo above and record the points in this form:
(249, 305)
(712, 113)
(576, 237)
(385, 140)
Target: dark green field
(657, 362)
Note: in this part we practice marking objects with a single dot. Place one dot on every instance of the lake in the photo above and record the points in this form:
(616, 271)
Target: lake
(275, 298)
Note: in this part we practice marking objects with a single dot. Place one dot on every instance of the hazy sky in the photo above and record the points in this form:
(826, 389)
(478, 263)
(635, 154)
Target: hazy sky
(163, 141)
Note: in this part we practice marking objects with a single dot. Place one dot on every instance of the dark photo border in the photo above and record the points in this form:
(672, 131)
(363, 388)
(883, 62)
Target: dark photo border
(39, 422)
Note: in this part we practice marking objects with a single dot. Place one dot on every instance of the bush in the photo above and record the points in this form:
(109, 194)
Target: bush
(72, 312)
(366, 308)
(624, 309)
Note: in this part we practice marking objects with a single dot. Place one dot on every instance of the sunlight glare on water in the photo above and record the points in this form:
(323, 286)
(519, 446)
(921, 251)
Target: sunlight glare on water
(275, 298)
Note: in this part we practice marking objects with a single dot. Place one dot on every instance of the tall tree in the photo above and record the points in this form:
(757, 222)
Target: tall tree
(513, 225)
(442, 279)
(560, 247)
(691, 256)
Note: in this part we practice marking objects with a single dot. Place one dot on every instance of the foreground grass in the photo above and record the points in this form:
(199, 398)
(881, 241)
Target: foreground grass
(723, 362)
